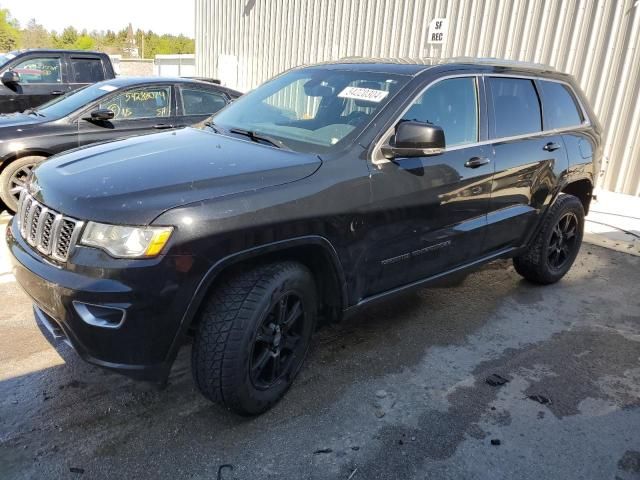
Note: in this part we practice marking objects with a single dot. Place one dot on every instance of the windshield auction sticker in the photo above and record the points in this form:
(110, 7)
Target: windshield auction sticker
(366, 94)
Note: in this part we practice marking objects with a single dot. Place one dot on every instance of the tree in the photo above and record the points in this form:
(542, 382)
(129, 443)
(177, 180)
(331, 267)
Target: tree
(68, 38)
(35, 36)
(85, 42)
(9, 33)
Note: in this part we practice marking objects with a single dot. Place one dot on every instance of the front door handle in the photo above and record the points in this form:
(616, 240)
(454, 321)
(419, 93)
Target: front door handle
(57, 92)
(476, 162)
(161, 126)
(551, 146)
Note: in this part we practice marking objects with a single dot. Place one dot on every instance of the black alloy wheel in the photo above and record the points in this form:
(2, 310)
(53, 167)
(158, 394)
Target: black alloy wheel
(563, 240)
(278, 341)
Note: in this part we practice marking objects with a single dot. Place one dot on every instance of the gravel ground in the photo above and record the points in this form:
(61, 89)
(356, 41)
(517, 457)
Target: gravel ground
(398, 392)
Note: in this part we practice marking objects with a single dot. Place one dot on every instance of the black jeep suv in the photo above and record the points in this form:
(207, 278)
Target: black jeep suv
(324, 190)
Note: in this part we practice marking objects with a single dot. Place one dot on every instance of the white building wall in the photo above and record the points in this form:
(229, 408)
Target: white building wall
(244, 42)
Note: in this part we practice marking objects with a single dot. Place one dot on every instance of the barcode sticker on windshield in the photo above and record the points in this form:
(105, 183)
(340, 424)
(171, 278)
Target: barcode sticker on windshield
(366, 94)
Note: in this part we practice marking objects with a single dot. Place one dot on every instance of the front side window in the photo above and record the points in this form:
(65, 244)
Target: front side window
(516, 108)
(201, 102)
(39, 70)
(452, 105)
(313, 109)
(87, 70)
(560, 108)
(149, 102)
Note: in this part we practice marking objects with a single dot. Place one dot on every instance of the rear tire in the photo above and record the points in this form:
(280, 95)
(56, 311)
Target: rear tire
(556, 245)
(13, 178)
(245, 355)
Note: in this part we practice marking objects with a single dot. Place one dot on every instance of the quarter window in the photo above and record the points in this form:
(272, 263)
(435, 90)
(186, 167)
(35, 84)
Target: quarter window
(200, 102)
(516, 107)
(140, 103)
(560, 109)
(87, 70)
(39, 70)
(452, 105)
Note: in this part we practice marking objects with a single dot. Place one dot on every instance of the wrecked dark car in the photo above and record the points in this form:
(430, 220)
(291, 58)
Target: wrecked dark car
(327, 189)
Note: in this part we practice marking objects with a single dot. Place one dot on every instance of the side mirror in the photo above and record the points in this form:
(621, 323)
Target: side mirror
(101, 115)
(415, 139)
(10, 78)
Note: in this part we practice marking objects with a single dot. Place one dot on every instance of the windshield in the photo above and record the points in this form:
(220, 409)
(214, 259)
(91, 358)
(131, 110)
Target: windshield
(312, 110)
(5, 58)
(72, 101)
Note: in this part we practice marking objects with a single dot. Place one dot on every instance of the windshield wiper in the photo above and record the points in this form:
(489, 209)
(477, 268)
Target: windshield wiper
(258, 137)
(33, 111)
(212, 126)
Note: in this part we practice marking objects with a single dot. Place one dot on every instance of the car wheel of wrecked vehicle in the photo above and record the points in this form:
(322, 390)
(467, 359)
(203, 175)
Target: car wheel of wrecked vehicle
(555, 247)
(253, 336)
(14, 177)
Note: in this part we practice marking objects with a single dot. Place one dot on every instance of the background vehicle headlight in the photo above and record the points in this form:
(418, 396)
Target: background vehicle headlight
(127, 242)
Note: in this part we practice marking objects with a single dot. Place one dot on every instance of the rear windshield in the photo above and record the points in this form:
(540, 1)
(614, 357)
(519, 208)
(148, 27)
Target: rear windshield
(314, 109)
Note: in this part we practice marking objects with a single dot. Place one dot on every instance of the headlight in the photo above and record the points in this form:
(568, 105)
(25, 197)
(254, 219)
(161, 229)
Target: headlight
(126, 242)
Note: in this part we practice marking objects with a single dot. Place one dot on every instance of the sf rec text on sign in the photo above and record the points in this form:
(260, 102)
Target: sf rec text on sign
(438, 29)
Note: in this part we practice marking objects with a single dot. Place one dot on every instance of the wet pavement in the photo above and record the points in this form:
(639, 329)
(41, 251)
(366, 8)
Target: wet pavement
(397, 392)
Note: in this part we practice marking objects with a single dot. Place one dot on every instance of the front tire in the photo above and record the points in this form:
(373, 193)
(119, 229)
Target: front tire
(556, 245)
(253, 336)
(13, 178)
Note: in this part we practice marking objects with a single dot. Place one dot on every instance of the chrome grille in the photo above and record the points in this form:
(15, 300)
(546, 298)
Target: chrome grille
(50, 232)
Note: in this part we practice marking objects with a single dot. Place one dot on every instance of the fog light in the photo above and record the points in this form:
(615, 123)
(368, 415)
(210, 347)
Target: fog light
(100, 315)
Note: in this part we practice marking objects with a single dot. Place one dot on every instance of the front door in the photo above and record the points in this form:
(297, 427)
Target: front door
(136, 111)
(429, 213)
(41, 79)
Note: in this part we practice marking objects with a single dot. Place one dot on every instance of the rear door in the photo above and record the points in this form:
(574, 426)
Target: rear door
(528, 160)
(137, 110)
(197, 102)
(41, 79)
(84, 69)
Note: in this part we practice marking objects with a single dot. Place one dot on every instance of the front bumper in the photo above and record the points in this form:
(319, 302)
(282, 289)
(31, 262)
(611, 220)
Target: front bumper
(152, 295)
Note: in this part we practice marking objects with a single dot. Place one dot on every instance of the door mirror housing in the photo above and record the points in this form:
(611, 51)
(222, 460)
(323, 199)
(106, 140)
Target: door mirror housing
(101, 115)
(415, 139)
(10, 78)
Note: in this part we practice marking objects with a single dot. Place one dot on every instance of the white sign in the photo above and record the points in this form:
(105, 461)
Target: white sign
(366, 94)
(438, 29)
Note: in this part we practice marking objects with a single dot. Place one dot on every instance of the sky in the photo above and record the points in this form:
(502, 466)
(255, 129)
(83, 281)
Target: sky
(161, 16)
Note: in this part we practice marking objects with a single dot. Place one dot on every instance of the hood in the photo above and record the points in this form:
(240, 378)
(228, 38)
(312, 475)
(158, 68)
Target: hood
(20, 119)
(133, 181)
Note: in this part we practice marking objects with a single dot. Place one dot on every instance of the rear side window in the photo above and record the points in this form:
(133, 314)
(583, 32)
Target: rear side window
(453, 106)
(201, 102)
(86, 70)
(516, 107)
(560, 109)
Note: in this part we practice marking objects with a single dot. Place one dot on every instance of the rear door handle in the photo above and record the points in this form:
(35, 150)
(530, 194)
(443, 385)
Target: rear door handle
(57, 92)
(551, 146)
(161, 126)
(476, 162)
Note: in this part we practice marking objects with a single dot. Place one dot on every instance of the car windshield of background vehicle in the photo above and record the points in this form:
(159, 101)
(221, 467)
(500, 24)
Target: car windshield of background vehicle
(62, 106)
(313, 110)
(6, 58)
